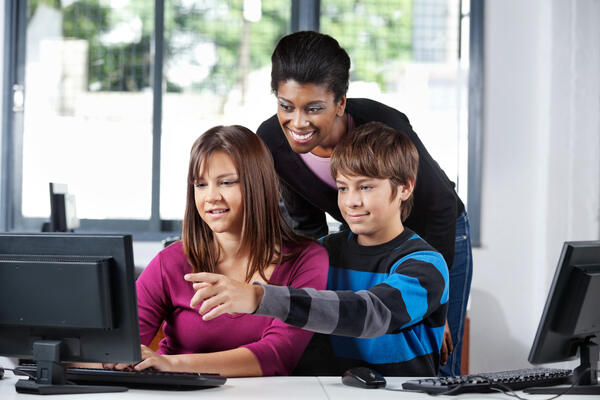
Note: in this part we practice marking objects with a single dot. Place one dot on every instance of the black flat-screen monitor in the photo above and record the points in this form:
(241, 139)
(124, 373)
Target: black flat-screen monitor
(570, 324)
(63, 214)
(67, 297)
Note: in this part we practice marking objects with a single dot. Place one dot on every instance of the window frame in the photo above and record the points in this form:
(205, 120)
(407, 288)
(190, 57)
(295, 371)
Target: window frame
(304, 16)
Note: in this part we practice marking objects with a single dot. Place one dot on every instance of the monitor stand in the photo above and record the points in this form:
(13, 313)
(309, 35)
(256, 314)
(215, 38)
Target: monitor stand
(50, 377)
(585, 377)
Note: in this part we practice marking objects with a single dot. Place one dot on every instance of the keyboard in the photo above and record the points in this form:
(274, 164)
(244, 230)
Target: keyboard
(147, 379)
(491, 381)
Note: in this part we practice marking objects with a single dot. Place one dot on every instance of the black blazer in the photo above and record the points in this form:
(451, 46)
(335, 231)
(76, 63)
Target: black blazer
(436, 206)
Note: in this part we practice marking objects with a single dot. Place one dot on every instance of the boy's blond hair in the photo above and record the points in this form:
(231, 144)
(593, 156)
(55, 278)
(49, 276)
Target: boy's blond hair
(377, 151)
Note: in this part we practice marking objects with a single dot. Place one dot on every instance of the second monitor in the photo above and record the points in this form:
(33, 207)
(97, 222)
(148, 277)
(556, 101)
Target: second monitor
(570, 324)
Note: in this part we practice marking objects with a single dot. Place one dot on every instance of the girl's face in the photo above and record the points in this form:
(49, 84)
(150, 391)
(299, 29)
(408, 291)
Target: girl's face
(309, 115)
(218, 195)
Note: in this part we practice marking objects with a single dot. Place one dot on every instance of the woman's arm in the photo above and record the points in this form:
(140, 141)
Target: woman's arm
(306, 218)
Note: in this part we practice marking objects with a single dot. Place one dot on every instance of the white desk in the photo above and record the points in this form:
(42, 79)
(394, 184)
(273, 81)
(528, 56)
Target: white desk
(287, 388)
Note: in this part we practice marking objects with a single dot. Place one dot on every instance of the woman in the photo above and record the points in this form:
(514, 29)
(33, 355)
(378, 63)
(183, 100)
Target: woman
(232, 226)
(310, 76)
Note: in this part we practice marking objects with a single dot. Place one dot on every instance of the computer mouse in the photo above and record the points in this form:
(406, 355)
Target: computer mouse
(363, 377)
(1, 372)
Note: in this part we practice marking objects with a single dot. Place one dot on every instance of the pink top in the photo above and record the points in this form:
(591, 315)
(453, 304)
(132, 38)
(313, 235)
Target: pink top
(163, 294)
(320, 165)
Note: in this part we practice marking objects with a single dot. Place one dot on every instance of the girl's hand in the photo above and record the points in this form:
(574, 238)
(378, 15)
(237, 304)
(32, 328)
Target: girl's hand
(220, 294)
(150, 359)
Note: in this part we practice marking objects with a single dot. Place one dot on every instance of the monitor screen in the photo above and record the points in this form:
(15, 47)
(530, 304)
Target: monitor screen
(76, 291)
(570, 323)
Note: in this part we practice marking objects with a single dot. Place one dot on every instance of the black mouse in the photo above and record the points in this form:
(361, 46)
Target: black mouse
(1, 372)
(363, 377)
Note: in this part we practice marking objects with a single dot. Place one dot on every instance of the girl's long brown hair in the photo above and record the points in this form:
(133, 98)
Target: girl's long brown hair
(264, 231)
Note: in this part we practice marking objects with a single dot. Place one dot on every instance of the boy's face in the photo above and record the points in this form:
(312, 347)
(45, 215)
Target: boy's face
(368, 207)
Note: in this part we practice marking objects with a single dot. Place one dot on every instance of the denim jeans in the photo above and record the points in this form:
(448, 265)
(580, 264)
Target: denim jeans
(461, 273)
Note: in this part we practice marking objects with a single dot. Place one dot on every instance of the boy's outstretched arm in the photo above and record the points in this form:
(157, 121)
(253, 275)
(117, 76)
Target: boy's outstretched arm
(416, 286)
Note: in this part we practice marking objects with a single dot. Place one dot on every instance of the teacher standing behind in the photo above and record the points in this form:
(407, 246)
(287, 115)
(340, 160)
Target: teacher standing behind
(310, 77)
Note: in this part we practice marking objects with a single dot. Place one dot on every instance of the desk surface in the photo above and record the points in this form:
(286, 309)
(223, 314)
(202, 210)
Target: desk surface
(288, 388)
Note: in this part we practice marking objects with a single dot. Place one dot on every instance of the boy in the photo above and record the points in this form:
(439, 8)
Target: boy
(388, 289)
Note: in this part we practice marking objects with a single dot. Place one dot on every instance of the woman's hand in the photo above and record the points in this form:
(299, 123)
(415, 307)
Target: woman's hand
(220, 294)
(447, 346)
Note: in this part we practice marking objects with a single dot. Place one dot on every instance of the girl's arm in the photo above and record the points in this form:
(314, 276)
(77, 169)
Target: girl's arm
(152, 299)
(281, 345)
(230, 363)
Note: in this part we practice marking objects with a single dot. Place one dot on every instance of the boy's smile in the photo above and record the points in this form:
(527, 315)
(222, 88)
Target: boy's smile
(368, 207)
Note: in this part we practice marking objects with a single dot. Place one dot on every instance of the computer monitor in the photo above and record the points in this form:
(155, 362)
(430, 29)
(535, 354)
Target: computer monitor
(570, 324)
(63, 214)
(67, 297)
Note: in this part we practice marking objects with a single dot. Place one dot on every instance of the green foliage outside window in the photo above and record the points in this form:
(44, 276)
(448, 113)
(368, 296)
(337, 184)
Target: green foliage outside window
(127, 66)
(375, 33)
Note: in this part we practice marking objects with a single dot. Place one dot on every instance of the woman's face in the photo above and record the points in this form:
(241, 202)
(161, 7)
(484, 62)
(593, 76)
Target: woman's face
(218, 194)
(309, 115)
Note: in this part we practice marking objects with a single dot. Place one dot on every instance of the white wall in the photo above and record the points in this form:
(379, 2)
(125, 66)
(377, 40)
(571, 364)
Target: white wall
(541, 165)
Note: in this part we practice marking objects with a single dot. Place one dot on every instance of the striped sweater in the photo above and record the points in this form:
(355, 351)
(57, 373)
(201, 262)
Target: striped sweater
(385, 307)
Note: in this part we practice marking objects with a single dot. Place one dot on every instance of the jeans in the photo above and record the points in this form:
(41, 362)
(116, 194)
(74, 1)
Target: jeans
(461, 273)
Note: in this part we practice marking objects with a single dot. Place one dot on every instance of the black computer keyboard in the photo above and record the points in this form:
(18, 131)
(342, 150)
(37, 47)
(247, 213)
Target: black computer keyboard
(147, 379)
(491, 381)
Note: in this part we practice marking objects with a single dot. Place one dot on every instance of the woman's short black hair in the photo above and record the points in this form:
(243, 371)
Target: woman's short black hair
(311, 57)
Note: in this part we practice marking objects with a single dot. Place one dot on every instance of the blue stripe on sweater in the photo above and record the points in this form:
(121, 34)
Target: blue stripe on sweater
(413, 294)
(433, 258)
(391, 348)
(349, 279)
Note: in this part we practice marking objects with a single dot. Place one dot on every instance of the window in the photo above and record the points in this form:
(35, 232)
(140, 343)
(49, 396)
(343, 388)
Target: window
(217, 70)
(88, 104)
(120, 90)
(404, 54)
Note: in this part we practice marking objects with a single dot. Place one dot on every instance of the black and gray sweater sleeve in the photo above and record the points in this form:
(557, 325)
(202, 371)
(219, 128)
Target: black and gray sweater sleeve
(416, 287)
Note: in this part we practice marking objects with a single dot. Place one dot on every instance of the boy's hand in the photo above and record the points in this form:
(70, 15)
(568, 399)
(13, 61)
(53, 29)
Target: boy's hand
(447, 346)
(220, 294)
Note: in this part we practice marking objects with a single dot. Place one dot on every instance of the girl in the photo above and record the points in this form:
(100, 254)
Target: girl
(232, 226)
